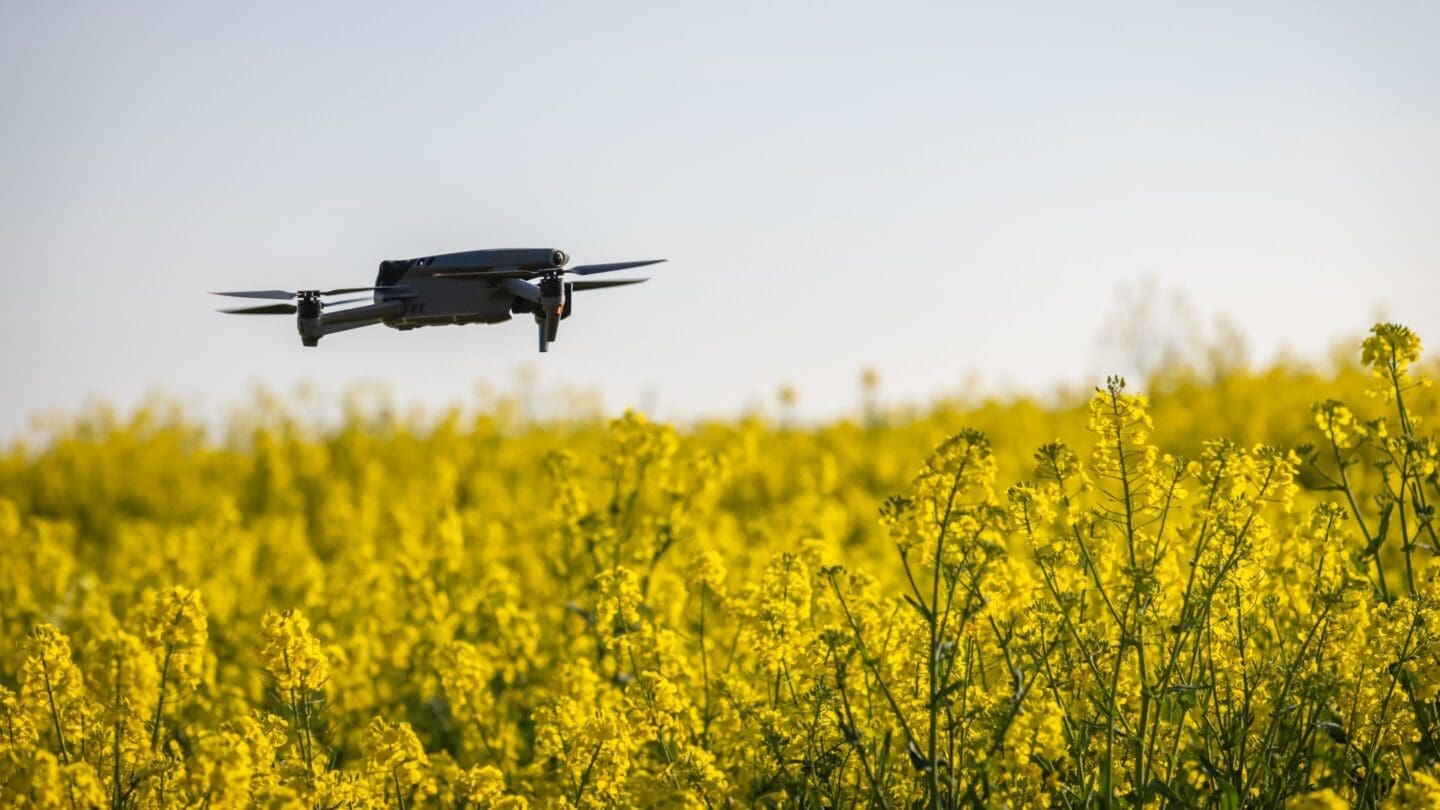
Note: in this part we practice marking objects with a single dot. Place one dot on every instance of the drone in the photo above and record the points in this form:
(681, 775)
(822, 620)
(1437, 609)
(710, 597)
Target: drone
(477, 286)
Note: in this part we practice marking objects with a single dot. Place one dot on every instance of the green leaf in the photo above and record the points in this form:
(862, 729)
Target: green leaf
(924, 613)
(1230, 797)
(1384, 528)
(1157, 786)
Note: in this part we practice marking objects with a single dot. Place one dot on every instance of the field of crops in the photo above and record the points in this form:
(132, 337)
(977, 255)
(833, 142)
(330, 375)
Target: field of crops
(1224, 594)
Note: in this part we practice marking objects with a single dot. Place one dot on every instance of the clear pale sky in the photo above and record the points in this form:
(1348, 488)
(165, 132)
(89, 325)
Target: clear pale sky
(932, 190)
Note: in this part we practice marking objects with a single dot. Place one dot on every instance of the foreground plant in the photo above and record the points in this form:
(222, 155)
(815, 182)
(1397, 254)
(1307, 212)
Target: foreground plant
(488, 612)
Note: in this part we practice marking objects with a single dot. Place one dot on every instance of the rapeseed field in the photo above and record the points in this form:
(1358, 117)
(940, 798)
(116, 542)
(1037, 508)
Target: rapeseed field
(1223, 594)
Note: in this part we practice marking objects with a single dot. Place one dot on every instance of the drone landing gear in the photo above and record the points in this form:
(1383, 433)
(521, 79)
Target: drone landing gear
(549, 330)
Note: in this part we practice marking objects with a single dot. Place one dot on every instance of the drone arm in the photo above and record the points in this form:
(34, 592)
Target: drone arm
(373, 313)
(332, 328)
(522, 289)
(312, 329)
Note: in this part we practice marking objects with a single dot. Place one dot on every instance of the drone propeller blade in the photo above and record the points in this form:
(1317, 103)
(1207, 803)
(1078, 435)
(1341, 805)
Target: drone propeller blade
(600, 285)
(281, 295)
(346, 301)
(589, 269)
(267, 309)
(344, 290)
(393, 291)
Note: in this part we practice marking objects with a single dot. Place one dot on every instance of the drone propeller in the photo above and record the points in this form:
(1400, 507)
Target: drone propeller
(265, 309)
(286, 295)
(282, 309)
(282, 295)
(591, 269)
(600, 285)
(581, 270)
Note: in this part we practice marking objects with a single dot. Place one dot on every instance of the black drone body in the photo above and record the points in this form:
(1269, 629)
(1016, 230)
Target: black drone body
(476, 286)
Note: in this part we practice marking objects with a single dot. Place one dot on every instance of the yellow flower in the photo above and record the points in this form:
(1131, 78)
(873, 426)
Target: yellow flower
(17, 731)
(222, 770)
(1338, 423)
(1390, 351)
(123, 676)
(53, 690)
(53, 784)
(396, 761)
(706, 573)
(1318, 800)
(480, 785)
(1421, 794)
(291, 654)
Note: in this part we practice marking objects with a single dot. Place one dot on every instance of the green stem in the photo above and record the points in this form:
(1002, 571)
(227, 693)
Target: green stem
(115, 796)
(160, 701)
(54, 710)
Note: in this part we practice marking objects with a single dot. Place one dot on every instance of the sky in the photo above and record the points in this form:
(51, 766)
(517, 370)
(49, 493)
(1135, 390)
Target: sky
(953, 194)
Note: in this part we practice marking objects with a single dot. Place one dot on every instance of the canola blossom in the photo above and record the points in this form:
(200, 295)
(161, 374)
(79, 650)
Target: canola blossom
(1224, 593)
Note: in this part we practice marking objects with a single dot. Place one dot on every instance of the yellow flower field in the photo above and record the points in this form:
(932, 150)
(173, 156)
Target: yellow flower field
(1225, 594)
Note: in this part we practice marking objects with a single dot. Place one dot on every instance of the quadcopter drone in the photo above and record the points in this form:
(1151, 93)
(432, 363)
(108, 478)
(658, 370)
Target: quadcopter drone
(477, 286)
